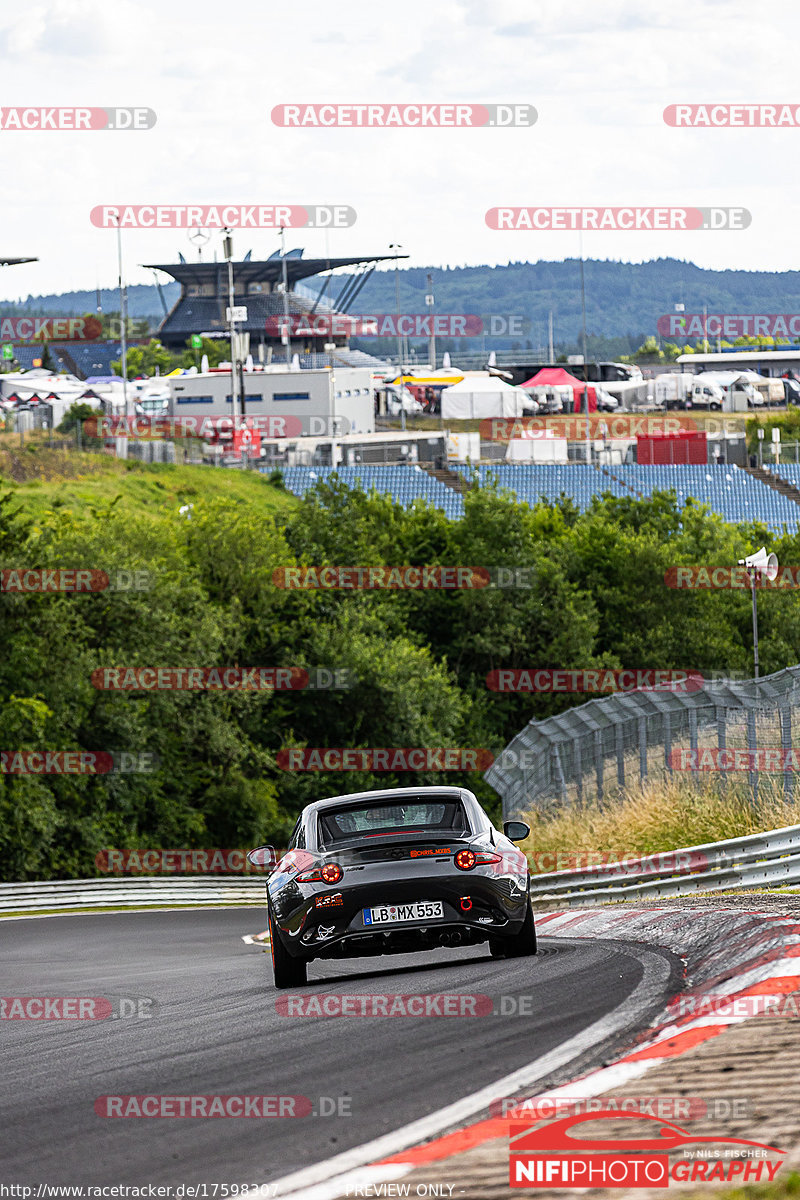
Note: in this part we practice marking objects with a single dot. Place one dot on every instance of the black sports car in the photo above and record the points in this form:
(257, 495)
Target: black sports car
(396, 871)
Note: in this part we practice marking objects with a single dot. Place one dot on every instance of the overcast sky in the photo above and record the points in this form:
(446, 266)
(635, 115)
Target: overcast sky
(599, 76)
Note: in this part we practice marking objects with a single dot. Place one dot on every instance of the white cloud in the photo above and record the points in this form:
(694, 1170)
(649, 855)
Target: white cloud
(599, 75)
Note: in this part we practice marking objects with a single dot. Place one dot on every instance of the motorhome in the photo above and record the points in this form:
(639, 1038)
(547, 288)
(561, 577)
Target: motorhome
(723, 391)
(771, 390)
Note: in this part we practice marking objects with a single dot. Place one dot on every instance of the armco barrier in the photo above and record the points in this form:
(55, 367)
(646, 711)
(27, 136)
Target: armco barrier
(154, 891)
(769, 859)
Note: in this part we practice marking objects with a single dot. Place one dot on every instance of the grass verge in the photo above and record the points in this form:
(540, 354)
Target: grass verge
(654, 818)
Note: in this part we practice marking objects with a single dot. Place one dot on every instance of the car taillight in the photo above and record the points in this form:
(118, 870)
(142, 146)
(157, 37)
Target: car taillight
(465, 860)
(330, 873)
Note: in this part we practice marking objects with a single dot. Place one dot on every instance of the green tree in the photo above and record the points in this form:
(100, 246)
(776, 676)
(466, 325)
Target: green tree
(217, 350)
(147, 360)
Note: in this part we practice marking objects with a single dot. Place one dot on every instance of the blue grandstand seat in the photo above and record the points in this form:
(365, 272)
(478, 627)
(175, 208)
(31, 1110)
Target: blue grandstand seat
(729, 491)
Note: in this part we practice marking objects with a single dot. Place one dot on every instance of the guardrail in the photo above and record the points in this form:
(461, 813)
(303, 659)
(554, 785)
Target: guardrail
(761, 860)
(769, 859)
(150, 892)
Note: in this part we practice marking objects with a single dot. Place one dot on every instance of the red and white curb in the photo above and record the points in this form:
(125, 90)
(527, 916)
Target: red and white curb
(735, 955)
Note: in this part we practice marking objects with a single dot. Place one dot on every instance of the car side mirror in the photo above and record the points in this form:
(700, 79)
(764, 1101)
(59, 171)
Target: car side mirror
(517, 831)
(262, 856)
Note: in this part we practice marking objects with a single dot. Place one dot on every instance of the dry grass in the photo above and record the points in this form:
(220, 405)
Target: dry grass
(654, 817)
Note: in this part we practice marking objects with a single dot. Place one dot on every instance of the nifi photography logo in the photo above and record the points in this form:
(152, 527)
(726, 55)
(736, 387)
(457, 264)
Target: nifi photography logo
(555, 1155)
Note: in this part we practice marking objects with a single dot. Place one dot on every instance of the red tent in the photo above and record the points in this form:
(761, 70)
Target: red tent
(558, 377)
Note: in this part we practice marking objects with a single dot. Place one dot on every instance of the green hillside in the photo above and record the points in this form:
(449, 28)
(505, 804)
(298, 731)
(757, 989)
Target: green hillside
(623, 300)
(43, 480)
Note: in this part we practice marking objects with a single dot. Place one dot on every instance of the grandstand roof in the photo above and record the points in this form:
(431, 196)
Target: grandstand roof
(269, 271)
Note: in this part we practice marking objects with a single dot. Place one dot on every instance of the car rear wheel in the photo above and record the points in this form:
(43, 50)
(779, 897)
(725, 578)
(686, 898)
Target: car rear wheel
(521, 945)
(287, 972)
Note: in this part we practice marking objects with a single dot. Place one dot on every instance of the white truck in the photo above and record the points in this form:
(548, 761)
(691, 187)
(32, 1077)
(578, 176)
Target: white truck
(671, 390)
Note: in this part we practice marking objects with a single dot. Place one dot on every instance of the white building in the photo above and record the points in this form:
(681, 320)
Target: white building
(327, 401)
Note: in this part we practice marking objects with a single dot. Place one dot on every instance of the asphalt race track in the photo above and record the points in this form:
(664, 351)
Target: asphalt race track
(215, 1030)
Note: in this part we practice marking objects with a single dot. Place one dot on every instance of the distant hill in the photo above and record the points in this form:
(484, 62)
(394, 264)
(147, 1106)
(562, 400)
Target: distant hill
(143, 301)
(623, 300)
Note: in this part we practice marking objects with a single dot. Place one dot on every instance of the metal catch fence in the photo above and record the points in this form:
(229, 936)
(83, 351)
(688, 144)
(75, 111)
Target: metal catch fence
(592, 753)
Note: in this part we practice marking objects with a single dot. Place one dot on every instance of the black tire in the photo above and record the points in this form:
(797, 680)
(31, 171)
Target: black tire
(521, 945)
(287, 972)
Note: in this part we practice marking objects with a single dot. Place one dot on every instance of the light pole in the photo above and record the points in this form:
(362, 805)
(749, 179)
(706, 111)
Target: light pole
(235, 399)
(429, 302)
(123, 322)
(285, 297)
(397, 247)
(585, 361)
(761, 565)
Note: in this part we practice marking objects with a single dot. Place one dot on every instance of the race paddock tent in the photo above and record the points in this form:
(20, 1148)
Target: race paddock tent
(556, 379)
(483, 396)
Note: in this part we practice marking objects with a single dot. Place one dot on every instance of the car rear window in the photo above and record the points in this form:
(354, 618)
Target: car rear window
(393, 816)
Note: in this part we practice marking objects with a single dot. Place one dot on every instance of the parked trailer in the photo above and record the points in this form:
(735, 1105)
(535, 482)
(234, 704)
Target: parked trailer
(672, 390)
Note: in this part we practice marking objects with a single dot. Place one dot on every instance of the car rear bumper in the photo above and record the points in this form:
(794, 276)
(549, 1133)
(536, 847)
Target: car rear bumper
(473, 909)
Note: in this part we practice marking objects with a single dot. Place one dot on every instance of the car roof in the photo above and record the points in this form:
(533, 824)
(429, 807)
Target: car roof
(452, 793)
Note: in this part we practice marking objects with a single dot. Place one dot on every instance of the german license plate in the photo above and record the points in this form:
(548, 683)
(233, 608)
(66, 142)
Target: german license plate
(389, 914)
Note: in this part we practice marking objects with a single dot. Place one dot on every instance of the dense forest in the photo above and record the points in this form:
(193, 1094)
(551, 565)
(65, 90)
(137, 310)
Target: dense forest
(417, 660)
